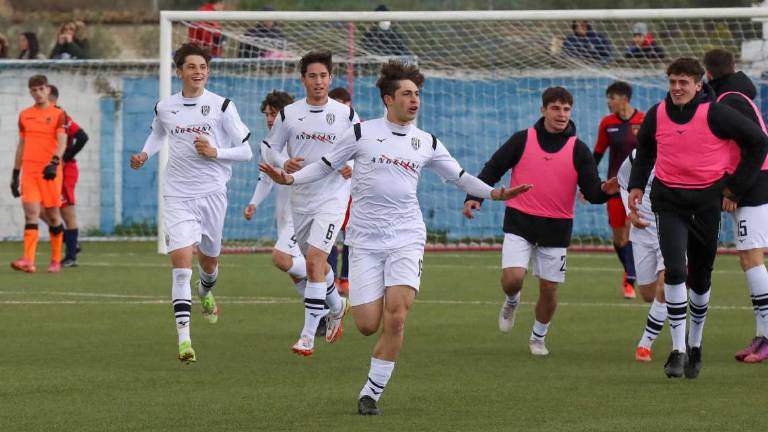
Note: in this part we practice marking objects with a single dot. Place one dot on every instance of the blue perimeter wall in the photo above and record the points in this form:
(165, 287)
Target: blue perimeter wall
(472, 127)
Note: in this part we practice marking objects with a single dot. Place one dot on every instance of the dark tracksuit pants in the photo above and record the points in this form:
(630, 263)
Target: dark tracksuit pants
(688, 222)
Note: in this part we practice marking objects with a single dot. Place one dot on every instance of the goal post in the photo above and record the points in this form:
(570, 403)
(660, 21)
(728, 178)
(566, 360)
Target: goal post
(485, 74)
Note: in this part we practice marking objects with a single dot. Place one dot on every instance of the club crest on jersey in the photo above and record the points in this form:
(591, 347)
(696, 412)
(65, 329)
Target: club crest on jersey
(635, 129)
(415, 143)
(205, 109)
(330, 118)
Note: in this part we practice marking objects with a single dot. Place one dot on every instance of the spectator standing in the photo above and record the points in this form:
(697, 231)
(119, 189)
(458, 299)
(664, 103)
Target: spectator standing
(3, 46)
(207, 34)
(643, 44)
(265, 39)
(29, 47)
(587, 44)
(383, 38)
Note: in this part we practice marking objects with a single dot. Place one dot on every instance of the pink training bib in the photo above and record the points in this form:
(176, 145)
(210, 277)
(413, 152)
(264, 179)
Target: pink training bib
(734, 150)
(553, 176)
(689, 156)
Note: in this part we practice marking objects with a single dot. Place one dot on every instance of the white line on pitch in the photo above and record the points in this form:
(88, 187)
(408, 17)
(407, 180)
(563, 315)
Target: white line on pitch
(286, 300)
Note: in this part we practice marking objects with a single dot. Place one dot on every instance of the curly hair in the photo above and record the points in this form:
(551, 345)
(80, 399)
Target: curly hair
(277, 100)
(395, 71)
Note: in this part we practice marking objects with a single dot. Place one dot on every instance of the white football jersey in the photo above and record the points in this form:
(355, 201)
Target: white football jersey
(189, 175)
(282, 199)
(388, 161)
(310, 132)
(648, 234)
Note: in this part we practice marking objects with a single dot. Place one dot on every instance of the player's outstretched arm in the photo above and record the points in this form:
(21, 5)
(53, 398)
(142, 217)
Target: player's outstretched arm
(152, 144)
(260, 193)
(277, 175)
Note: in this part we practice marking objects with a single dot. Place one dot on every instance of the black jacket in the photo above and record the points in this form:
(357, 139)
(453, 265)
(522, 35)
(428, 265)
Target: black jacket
(724, 122)
(739, 82)
(542, 231)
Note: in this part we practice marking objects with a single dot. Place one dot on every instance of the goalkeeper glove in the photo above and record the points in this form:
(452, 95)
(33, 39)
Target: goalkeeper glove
(49, 173)
(15, 184)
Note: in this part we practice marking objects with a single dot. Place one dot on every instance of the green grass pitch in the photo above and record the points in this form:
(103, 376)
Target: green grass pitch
(93, 349)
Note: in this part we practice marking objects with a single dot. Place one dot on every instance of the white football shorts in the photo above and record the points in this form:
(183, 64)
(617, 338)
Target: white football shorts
(286, 241)
(648, 262)
(548, 262)
(318, 230)
(751, 226)
(372, 271)
(196, 221)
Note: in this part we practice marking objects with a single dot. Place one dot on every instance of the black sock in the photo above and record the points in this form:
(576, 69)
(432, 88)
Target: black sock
(70, 240)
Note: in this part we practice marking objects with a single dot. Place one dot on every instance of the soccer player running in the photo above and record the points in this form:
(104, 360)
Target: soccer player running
(308, 130)
(687, 138)
(205, 136)
(386, 230)
(37, 167)
(618, 133)
(340, 94)
(286, 255)
(737, 91)
(648, 260)
(76, 139)
(540, 222)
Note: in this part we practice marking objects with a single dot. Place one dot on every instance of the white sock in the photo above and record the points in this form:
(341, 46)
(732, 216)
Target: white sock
(513, 300)
(757, 280)
(298, 268)
(653, 324)
(676, 296)
(207, 280)
(332, 296)
(378, 377)
(181, 297)
(314, 307)
(300, 287)
(698, 305)
(539, 331)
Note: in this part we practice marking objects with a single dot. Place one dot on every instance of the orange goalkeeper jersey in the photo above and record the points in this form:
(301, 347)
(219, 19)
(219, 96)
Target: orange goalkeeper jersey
(39, 128)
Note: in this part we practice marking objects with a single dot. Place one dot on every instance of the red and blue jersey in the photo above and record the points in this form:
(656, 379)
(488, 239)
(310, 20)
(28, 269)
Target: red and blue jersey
(620, 136)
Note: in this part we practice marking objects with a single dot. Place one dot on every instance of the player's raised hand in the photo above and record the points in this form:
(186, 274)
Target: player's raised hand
(249, 211)
(292, 165)
(729, 205)
(504, 194)
(634, 218)
(469, 206)
(138, 159)
(611, 186)
(204, 148)
(346, 172)
(277, 175)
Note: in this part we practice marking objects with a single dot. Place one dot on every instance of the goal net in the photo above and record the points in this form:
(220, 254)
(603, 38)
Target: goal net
(485, 72)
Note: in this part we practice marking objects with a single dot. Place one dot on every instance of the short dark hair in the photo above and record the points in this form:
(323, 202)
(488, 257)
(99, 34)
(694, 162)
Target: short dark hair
(395, 71)
(54, 91)
(277, 100)
(322, 56)
(189, 49)
(619, 88)
(686, 66)
(719, 62)
(340, 94)
(37, 80)
(556, 94)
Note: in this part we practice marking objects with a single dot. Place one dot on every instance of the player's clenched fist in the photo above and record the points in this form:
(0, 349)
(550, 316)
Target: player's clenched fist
(137, 160)
(204, 148)
(249, 211)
